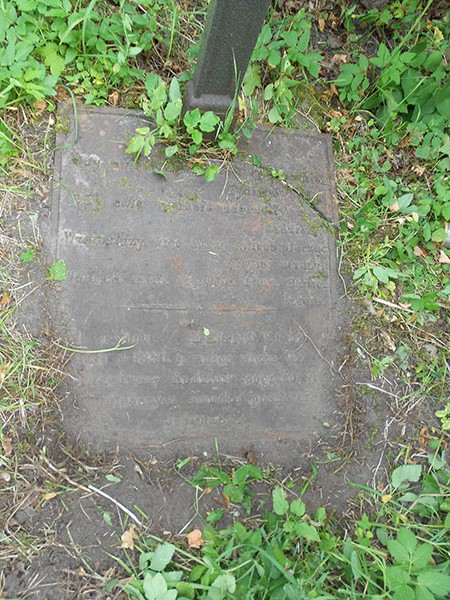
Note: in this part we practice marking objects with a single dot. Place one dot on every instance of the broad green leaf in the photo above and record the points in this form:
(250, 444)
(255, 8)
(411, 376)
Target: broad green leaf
(246, 472)
(174, 89)
(222, 586)
(297, 508)
(309, 532)
(197, 572)
(442, 100)
(356, 565)
(437, 583)
(209, 122)
(274, 115)
(155, 588)
(403, 592)
(56, 63)
(159, 96)
(113, 478)
(136, 145)
(166, 131)
(439, 235)
(198, 169)
(185, 590)
(172, 576)
(144, 559)
(235, 493)
(303, 42)
(162, 557)
(240, 532)
(274, 58)
(321, 515)
(192, 118)
(405, 473)
(293, 592)
(381, 274)
(27, 256)
(421, 556)
(151, 83)
(403, 547)
(149, 142)
(227, 141)
(171, 150)
(383, 535)
(280, 504)
(432, 61)
(134, 51)
(404, 200)
(423, 593)
(197, 137)
(290, 37)
(398, 552)
(57, 271)
(252, 80)
(396, 576)
(408, 540)
(173, 109)
(268, 92)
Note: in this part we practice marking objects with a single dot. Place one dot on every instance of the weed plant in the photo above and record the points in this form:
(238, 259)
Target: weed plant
(402, 552)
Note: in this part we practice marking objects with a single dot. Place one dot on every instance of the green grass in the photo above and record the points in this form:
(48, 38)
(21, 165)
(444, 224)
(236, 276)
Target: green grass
(389, 112)
(401, 550)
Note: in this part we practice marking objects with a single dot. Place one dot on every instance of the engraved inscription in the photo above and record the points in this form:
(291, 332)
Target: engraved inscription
(101, 239)
(218, 295)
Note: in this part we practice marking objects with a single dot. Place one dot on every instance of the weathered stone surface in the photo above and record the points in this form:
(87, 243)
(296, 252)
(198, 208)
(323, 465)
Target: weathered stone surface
(226, 292)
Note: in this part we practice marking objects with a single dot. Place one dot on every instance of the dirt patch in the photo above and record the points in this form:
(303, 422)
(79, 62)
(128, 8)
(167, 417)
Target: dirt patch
(78, 529)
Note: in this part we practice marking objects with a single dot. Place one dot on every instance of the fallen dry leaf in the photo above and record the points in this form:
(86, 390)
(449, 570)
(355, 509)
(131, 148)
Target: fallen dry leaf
(321, 24)
(340, 59)
(113, 98)
(418, 251)
(5, 297)
(195, 539)
(419, 170)
(7, 445)
(40, 105)
(128, 538)
(5, 476)
(394, 207)
(438, 34)
(443, 258)
(425, 437)
(61, 93)
(3, 370)
(389, 342)
(227, 501)
(49, 496)
(333, 89)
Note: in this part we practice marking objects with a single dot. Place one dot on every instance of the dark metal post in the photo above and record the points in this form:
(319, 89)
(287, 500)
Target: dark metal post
(231, 30)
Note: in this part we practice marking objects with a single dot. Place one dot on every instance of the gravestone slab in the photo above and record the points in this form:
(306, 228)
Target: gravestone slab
(206, 313)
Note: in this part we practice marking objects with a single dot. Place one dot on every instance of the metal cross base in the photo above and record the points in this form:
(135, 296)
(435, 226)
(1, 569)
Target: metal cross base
(231, 30)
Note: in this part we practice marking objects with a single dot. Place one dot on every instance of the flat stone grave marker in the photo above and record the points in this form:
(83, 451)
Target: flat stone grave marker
(225, 292)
